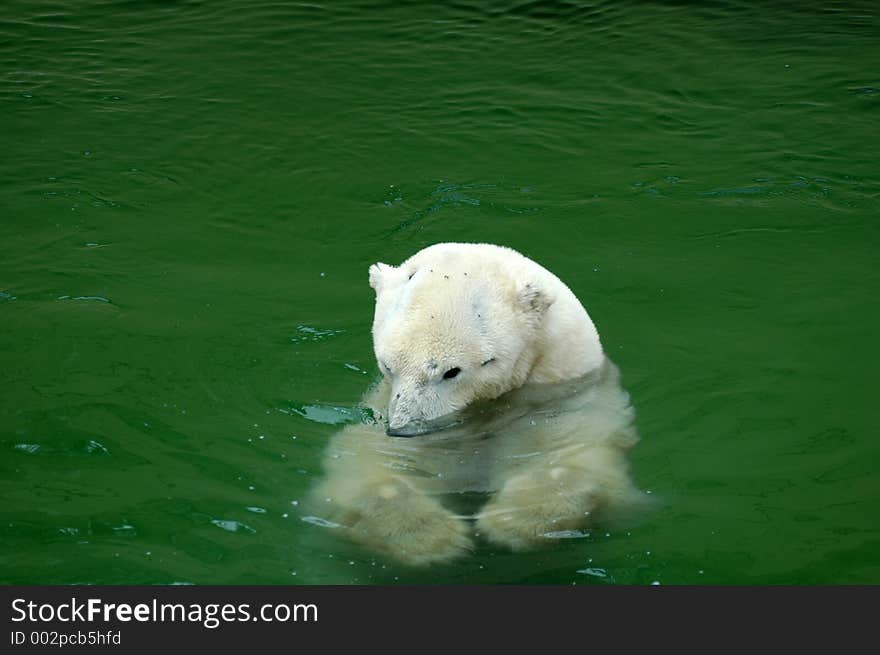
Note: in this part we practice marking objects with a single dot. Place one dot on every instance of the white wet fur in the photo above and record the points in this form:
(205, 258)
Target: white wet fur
(534, 417)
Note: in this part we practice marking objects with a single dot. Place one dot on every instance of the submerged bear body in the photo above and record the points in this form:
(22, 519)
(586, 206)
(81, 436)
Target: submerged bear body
(495, 372)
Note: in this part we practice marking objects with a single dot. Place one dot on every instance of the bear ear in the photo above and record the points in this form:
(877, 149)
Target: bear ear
(532, 301)
(378, 275)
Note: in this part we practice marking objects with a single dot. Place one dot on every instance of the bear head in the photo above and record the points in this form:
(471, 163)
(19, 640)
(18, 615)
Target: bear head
(449, 330)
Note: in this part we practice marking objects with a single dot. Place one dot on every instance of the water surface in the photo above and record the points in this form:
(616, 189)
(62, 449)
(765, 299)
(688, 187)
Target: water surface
(192, 193)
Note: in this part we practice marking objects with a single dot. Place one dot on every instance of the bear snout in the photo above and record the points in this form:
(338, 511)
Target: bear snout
(404, 431)
(403, 424)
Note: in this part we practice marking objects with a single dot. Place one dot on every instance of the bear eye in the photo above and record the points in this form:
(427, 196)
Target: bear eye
(451, 373)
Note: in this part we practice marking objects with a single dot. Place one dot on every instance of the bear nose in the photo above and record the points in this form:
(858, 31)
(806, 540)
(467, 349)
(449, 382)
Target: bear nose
(400, 423)
(399, 432)
(411, 429)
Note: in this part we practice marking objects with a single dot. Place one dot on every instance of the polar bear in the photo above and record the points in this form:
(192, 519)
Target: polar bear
(494, 383)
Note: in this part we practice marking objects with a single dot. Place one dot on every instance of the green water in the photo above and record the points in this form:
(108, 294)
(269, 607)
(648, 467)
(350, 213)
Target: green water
(192, 192)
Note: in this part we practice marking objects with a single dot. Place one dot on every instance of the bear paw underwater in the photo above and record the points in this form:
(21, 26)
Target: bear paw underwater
(496, 370)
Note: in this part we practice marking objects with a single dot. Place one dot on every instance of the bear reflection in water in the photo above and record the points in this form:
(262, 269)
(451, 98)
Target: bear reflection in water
(542, 462)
